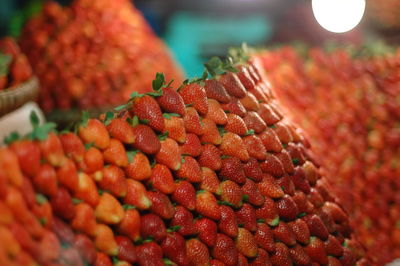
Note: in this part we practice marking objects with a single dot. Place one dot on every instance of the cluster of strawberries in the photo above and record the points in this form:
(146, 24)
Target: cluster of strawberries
(93, 54)
(350, 108)
(14, 66)
(209, 174)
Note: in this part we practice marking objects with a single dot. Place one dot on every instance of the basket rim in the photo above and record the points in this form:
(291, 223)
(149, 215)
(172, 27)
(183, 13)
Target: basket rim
(31, 83)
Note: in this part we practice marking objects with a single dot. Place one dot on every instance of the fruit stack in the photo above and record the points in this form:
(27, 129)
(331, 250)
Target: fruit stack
(353, 106)
(93, 54)
(209, 174)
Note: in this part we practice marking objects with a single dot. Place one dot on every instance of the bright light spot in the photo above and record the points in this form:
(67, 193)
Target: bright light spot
(338, 15)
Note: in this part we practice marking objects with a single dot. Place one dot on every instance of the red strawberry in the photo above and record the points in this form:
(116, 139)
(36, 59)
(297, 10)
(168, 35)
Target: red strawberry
(315, 198)
(262, 259)
(346, 259)
(28, 192)
(269, 188)
(216, 91)
(232, 145)
(252, 170)
(136, 195)
(311, 172)
(335, 212)
(287, 163)
(93, 131)
(152, 226)
(234, 106)
(138, 167)
(246, 217)
(162, 179)
(145, 139)
(192, 121)
(270, 140)
(174, 248)
(102, 260)
(214, 262)
(246, 244)
(85, 248)
(195, 95)
(210, 157)
(300, 230)
(210, 132)
(225, 250)
(316, 251)
(87, 190)
(272, 165)
(175, 127)
(45, 180)
(161, 205)
(147, 108)
(232, 169)
(287, 208)
(264, 237)
(299, 180)
(316, 226)
(23, 237)
(73, 146)
(93, 160)
(215, 112)
(228, 223)
(283, 233)
(67, 175)
(130, 224)
(245, 77)
(254, 196)
(255, 147)
(115, 153)
(192, 145)
(169, 154)
(230, 193)
(28, 154)
(20, 69)
(333, 246)
(332, 261)
(121, 130)
(283, 133)
(113, 180)
(299, 256)
(62, 204)
(190, 170)
(253, 121)
(250, 102)
(267, 114)
(185, 194)
(184, 219)
(126, 249)
(84, 220)
(109, 210)
(210, 181)
(281, 255)
(301, 201)
(197, 252)
(235, 124)
(207, 205)
(171, 101)
(296, 154)
(105, 240)
(232, 84)
(49, 247)
(207, 229)
(52, 150)
(149, 254)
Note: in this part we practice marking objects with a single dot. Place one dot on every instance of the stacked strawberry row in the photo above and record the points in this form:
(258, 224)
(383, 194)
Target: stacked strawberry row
(210, 174)
(93, 53)
(351, 105)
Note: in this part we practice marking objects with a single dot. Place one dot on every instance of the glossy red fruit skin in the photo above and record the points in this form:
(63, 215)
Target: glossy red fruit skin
(196, 95)
(228, 224)
(145, 139)
(174, 248)
(184, 219)
(170, 101)
(153, 226)
(147, 108)
(232, 169)
(225, 250)
(207, 229)
(184, 194)
(149, 253)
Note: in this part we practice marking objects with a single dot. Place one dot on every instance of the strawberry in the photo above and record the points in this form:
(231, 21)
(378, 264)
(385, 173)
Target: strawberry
(138, 167)
(192, 121)
(152, 226)
(7, 216)
(333, 246)
(311, 172)
(283, 133)
(63, 207)
(169, 154)
(105, 240)
(109, 210)
(192, 145)
(234, 106)
(93, 160)
(206, 205)
(232, 169)
(236, 125)
(214, 262)
(228, 223)
(335, 212)
(296, 154)
(184, 219)
(49, 247)
(287, 208)
(130, 224)
(252, 194)
(250, 102)
(300, 230)
(283, 233)
(261, 259)
(332, 261)
(62, 230)
(245, 78)
(272, 165)
(195, 95)
(93, 131)
(102, 260)
(161, 205)
(255, 147)
(190, 170)
(145, 139)
(115, 153)
(149, 253)
(207, 229)
(210, 133)
(23, 237)
(264, 237)
(253, 121)
(113, 180)
(175, 127)
(84, 220)
(252, 170)
(71, 256)
(10, 167)
(269, 188)
(232, 84)
(45, 180)
(174, 248)
(225, 250)
(316, 226)
(20, 69)
(197, 252)
(299, 256)
(162, 179)
(346, 259)
(281, 255)
(72, 146)
(232, 145)
(11, 246)
(230, 193)
(246, 244)
(52, 150)
(121, 130)
(126, 249)
(171, 101)
(87, 190)
(287, 163)
(85, 248)
(147, 108)
(210, 157)
(28, 154)
(270, 140)
(215, 112)
(315, 198)
(268, 115)
(301, 202)
(246, 217)
(299, 180)
(67, 175)
(43, 212)
(216, 91)
(210, 181)
(316, 251)
(185, 194)
(136, 195)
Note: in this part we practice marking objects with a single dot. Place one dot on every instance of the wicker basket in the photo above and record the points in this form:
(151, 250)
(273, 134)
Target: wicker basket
(12, 98)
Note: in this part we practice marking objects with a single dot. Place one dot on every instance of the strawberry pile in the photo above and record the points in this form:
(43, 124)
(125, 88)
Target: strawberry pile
(351, 112)
(14, 66)
(208, 174)
(93, 54)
